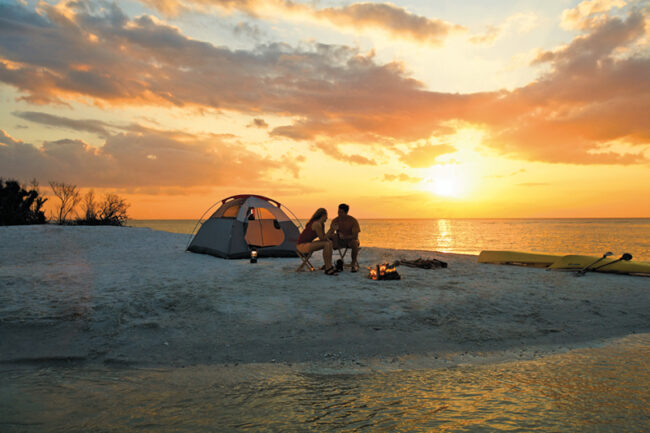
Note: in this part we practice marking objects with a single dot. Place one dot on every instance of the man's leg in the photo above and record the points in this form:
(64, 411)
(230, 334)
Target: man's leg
(355, 246)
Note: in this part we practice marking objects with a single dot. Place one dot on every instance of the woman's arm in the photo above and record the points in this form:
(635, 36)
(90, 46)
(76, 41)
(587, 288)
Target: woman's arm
(320, 230)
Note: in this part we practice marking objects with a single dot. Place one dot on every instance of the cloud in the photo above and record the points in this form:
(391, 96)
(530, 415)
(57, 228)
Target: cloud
(588, 13)
(590, 97)
(129, 160)
(514, 173)
(595, 91)
(248, 30)
(518, 24)
(258, 123)
(402, 177)
(94, 126)
(6, 139)
(396, 21)
(334, 151)
(534, 184)
(425, 155)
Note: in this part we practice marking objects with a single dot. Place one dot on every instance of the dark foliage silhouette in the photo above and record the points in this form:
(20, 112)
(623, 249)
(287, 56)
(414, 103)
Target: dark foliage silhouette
(20, 206)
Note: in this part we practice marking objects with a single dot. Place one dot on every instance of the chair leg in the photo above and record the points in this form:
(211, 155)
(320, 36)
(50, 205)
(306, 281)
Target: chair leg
(342, 256)
(305, 262)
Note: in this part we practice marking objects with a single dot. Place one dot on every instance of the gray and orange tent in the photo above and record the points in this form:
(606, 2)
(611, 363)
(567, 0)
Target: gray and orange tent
(243, 223)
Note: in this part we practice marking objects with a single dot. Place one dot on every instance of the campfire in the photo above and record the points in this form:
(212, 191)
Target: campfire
(384, 271)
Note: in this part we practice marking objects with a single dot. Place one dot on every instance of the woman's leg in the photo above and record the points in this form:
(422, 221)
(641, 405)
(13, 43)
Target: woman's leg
(326, 246)
(327, 253)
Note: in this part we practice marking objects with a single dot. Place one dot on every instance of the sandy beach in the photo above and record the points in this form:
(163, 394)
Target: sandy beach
(134, 297)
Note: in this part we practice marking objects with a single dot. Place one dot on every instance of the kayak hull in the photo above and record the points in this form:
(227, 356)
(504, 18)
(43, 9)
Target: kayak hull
(518, 258)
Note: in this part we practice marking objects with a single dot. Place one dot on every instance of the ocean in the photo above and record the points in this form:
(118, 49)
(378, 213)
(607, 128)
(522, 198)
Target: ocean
(471, 236)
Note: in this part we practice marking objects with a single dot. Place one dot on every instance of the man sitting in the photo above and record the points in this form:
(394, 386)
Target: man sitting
(344, 233)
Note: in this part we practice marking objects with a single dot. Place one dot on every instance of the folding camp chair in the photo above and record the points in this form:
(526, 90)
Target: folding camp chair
(342, 256)
(305, 262)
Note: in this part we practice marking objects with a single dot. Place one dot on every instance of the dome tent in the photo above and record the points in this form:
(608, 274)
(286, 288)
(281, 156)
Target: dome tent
(243, 223)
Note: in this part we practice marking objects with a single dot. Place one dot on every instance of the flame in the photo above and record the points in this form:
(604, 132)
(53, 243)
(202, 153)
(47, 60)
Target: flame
(380, 271)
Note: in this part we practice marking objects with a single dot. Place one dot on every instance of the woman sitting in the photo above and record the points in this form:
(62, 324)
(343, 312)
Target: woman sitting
(307, 243)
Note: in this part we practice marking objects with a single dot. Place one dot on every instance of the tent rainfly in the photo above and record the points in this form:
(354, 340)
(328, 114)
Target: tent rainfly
(243, 223)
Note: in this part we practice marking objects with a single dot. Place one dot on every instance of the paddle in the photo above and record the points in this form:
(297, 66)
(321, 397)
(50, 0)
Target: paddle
(627, 257)
(584, 270)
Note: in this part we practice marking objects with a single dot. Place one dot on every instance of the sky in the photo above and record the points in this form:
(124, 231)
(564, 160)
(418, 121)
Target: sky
(407, 109)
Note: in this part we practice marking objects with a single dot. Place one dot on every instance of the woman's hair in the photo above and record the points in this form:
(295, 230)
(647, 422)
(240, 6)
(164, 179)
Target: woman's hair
(319, 213)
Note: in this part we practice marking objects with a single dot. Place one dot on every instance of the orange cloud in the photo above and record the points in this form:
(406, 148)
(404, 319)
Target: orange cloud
(425, 155)
(402, 177)
(591, 97)
(334, 151)
(588, 13)
(596, 91)
(395, 20)
(143, 160)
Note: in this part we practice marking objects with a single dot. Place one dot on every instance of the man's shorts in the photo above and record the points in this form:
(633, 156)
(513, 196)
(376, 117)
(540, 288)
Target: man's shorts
(338, 243)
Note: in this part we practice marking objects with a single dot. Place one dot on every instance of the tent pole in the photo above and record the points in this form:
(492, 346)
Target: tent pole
(294, 217)
(199, 222)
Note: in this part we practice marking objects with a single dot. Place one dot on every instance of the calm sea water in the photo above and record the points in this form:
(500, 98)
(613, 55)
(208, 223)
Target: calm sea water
(562, 236)
(605, 389)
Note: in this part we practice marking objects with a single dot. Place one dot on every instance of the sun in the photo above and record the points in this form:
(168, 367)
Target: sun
(444, 181)
(446, 187)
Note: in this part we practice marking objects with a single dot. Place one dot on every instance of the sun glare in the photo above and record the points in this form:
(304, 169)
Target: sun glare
(447, 187)
(444, 181)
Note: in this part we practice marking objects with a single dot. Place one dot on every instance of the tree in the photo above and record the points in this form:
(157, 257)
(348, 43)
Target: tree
(19, 206)
(113, 210)
(68, 195)
(90, 208)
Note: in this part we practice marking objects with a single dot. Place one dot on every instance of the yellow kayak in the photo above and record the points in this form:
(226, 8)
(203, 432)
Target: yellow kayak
(518, 258)
(620, 267)
(570, 262)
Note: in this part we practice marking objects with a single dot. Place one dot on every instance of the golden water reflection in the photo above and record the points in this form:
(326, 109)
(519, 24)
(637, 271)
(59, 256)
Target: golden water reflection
(587, 390)
(445, 235)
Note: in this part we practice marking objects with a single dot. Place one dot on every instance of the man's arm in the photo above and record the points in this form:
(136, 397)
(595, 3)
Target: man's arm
(355, 229)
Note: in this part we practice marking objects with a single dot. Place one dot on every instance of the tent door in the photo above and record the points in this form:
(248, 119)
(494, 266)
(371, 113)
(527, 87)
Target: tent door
(263, 230)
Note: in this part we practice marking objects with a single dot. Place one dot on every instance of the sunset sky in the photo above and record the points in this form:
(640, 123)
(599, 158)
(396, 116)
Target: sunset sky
(408, 109)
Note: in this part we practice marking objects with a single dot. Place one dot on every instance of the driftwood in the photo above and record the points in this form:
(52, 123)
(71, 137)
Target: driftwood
(422, 263)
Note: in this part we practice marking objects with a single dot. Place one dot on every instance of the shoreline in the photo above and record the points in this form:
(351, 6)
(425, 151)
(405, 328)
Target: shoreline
(131, 297)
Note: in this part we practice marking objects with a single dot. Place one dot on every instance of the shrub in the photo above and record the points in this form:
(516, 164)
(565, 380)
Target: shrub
(112, 211)
(69, 197)
(19, 206)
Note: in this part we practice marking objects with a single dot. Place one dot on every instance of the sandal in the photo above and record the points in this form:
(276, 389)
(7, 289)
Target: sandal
(355, 268)
(330, 271)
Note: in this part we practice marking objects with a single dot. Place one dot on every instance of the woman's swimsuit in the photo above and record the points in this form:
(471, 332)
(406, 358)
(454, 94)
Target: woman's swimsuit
(308, 234)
